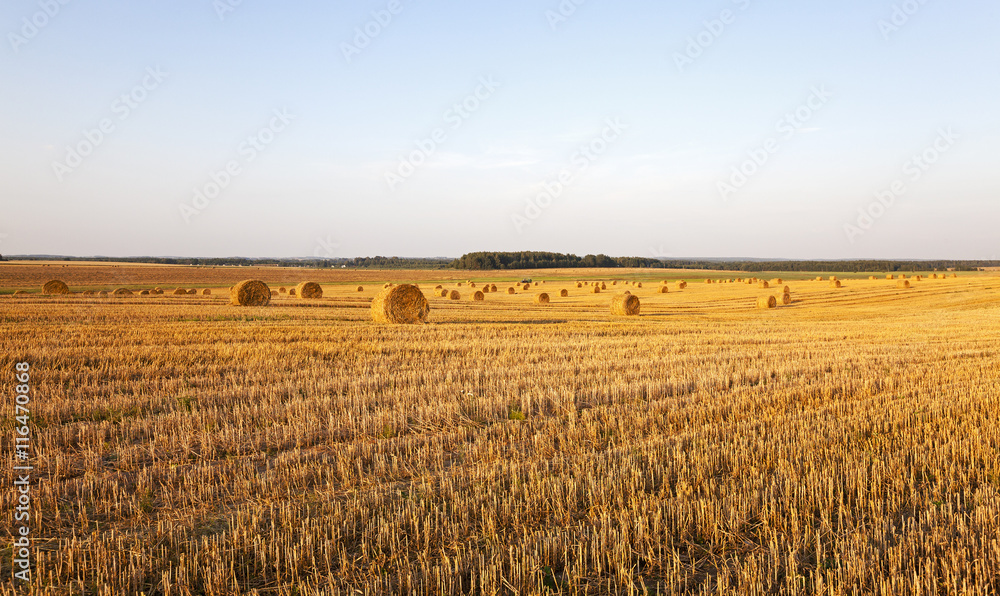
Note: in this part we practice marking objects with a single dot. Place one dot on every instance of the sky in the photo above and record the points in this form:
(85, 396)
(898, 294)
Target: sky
(816, 129)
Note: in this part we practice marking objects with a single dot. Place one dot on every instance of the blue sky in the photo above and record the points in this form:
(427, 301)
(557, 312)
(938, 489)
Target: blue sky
(646, 110)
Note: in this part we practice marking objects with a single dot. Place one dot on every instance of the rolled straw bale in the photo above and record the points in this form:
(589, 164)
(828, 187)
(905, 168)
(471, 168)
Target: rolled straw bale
(563, 293)
(478, 296)
(625, 305)
(890, 276)
(55, 286)
(123, 292)
(664, 289)
(192, 292)
(454, 295)
(283, 290)
(681, 285)
(835, 283)
(400, 305)
(250, 292)
(903, 284)
(784, 298)
(309, 290)
(291, 292)
(767, 302)
(206, 292)
(180, 292)
(596, 290)
(511, 291)
(542, 298)
(763, 284)
(362, 288)
(444, 293)
(144, 293)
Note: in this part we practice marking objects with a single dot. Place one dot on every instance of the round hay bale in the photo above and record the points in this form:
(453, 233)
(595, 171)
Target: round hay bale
(638, 284)
(283, 290)
(454, 295)
(784, 299)
(902, 276)
(934, 276)
(542, 298)
(777, 281)
(362, 289)
(250, 292)
(764, 285)
(536, 283)
(833, 278)
(664, 289)
(444, 293)
(526, 287)
(123, 292)
(192, 292)
(890, 276)
(767, 302)
(102, 293)
(180, 292)
(903, 284)
(55, 287)
(954, 275)
(708, 281)
(478, 296)
(784, 289)
(206, 292)
(579, 285)
(144, 293)
(291, 292)
(85, 292)
(603, 287)
(400, 305)
(158, 290)
(511, 291)
(614, 283)
(493, 287)
(458, 285)
(625, 305)
(872, 277)
(681, 285)
(472, 284)
(918, 278)
(308, 290)
(597, 289)
(439, 287)
(563, 293)
(835, 283)
(274, 293)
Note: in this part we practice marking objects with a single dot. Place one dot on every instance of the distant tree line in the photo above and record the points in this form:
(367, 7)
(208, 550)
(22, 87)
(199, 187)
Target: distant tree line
(541, 260)
(551, 260)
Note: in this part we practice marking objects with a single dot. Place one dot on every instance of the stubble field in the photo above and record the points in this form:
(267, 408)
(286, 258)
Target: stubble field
(846, 443)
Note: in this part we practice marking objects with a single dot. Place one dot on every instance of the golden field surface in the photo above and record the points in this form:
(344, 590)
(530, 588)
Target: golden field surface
(846, 443)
